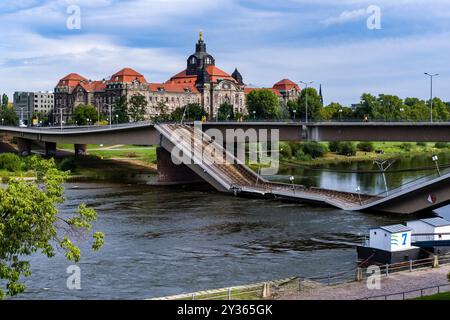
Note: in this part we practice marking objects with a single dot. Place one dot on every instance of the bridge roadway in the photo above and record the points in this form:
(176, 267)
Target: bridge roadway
(144, 133)
(238, 179)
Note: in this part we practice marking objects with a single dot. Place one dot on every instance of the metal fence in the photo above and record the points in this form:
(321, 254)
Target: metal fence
(296, 284)
(412, 294)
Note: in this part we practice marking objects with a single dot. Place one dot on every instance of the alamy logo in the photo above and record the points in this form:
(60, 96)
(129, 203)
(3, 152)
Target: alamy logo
(374, 20)
(374, 278)
(74, 20)
(73, 282)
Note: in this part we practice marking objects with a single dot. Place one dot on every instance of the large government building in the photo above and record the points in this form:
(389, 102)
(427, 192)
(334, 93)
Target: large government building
(201, 82)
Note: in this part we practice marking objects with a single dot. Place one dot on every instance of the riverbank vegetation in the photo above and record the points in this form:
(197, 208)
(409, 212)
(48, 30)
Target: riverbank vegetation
(315, 153)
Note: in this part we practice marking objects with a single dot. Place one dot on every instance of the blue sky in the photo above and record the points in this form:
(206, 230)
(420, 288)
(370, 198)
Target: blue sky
(325, 41)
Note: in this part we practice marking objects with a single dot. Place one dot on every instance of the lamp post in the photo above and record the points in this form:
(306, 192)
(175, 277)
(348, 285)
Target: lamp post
(254, 115)
(306, 97)
(3, 120)
(340, 114)
(61, 120)
(401, 112)
(435, 159)
(117, 119)
(291, 178)
(431, 93)
(294, 111)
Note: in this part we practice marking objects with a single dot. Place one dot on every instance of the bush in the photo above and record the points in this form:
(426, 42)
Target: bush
(295, 147)
(10, 162)
(347, 149)
(68, 164)
(421, 144)
(301, 156)
(314, 149)
(285, 150)
(406, 146)
(441, 145)
(365, 146)
(334, 146)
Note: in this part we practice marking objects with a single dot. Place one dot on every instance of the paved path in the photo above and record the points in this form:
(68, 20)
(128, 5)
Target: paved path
(394, 283)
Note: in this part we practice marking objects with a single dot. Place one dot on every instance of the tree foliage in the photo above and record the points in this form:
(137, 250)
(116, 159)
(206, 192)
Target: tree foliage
(308, 97)
(120, 110)
(83, 112)
(263, 104)
(137, 108)
(192, 112)
(225, 112)
(30, 223)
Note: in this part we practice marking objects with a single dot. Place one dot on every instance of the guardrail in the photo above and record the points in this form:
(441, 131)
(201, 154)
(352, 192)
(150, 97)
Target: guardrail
(406, 295)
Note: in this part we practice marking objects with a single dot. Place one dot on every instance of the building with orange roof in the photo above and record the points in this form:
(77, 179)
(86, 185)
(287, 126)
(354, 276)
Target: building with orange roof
(201, 82)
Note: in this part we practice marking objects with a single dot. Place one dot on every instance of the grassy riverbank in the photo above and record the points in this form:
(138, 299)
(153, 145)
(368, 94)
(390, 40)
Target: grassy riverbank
(389, 150)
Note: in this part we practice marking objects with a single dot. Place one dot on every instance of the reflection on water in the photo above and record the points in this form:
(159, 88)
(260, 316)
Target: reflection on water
(164, 241)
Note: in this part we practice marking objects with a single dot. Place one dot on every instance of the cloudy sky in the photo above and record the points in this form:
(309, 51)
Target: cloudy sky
(325, 41)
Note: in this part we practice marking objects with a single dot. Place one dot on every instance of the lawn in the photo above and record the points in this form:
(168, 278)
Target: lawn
(439, 296)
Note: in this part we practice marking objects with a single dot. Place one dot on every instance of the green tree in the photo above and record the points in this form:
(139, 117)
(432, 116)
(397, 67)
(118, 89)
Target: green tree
(192, 112)
(120, 110)
(388, 108)
(263, 104)
(225, 112)
(308, 97)
(5, 100)
(137, 108)
(9, 116)
(162, 114)
(83, 112)
(367, 106)
(335, 111)
(440, 110)
(30, 222)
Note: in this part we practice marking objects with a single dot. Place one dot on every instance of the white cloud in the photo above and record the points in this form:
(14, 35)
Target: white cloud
(346, 16)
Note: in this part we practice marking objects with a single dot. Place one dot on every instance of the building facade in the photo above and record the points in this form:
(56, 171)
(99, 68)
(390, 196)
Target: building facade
(29, 105)
(201, 82)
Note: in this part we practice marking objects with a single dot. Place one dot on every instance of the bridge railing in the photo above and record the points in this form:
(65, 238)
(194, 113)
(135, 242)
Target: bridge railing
(408, 186)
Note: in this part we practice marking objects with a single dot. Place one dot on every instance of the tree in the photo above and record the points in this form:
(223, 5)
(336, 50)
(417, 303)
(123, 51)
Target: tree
(314, 105)
(388, 108)
(120, 110)
(162, 114)
(30, 223)
(5, 100)
(335, 111)
(263, 104)
(137, 108)
(225, 112)
(83, 112)
(192, 112)
(366, 107)
(9, 116)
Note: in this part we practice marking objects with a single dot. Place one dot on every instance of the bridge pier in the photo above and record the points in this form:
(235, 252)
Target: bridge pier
(50, 149)
(80, 149)
(170, 173)
(24, 146)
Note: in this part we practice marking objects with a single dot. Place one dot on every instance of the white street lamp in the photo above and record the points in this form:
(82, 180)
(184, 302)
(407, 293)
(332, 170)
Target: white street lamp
(431, 93)
(306, 97)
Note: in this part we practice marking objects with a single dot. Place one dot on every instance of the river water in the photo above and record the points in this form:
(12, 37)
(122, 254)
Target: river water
(165, 241)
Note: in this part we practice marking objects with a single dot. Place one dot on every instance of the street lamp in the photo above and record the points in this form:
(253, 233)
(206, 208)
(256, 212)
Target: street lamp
(306, 96)
(61, 121)
(254, 115)
(117, 119)
(3, 120)
(431, 93)
(340, 114)
(435, 159)
(88, 121)
(294, 111)
(291, 178)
